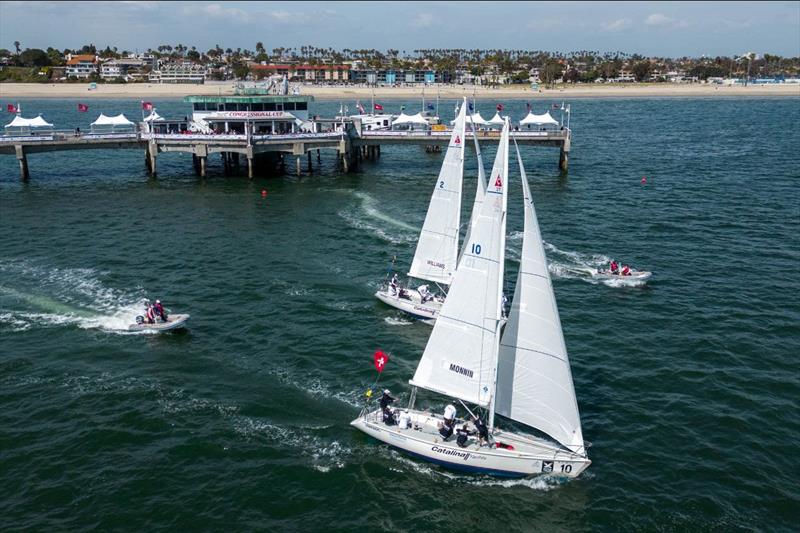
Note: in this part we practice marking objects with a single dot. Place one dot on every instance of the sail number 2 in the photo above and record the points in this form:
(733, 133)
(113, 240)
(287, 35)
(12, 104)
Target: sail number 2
(476, 249)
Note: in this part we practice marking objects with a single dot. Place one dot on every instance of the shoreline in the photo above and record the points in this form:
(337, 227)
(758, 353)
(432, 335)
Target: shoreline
(146, 90)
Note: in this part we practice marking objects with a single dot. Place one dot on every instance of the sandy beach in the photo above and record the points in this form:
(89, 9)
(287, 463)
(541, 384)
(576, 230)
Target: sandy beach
(145, 90)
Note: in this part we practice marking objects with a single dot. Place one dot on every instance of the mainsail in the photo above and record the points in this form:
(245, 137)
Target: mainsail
(460, 357)
(534, 381)
(437, 250)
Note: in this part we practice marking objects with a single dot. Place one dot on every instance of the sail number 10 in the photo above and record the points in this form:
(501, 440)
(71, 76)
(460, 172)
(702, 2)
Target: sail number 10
(476, 249)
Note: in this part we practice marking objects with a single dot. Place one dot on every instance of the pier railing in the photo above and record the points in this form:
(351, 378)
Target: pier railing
(387, 134)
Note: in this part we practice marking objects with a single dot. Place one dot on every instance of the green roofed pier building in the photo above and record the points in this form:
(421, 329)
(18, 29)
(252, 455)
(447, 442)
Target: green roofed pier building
(261, 114)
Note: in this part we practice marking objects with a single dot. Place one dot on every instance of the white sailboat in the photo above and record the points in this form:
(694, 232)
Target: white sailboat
(524, 377)
(436, 256)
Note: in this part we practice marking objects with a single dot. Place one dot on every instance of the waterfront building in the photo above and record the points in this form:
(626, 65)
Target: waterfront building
(121, 68)
(179, 73)
(263, 113)
(304, 73)
(81, 65)
(393, 76)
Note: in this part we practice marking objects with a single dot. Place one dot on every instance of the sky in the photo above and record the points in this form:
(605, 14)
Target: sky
(668, 29)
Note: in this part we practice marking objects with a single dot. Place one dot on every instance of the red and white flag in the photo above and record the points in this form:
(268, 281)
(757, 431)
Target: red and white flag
(11, 108)
(380, 359)
(378, 107)
(147, 106)
(83, 108)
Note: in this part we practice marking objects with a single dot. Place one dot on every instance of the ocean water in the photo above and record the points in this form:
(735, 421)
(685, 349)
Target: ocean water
(688, 385)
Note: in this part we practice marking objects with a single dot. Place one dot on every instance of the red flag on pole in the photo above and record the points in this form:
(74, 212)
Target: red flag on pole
(499, 107)
(83, 108)
(11, 108)
(147, 106)
(378, 107)
(380, 359)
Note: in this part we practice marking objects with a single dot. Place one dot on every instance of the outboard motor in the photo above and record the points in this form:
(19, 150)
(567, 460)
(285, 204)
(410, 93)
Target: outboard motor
(140, 319)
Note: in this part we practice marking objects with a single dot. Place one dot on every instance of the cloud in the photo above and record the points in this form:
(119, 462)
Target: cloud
(281, 16)
(216, 10)
(661, 20)
(617, 25)
(423, 20)
(658, 19)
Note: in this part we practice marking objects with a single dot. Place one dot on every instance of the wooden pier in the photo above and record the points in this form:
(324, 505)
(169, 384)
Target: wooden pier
(349, 143)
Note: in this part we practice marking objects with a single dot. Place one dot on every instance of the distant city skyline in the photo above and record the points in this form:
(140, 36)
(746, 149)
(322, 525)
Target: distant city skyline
(667, 29)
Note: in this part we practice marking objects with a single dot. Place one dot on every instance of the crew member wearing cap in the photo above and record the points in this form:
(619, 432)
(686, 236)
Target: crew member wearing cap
(448, 425)
(404, 420)
(482, 430)
(386, 399)
(159, 309)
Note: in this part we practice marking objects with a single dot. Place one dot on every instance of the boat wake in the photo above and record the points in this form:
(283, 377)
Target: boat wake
(563, 264)
(33, 296)
(398, 321)
(366, 216)
(323, 454)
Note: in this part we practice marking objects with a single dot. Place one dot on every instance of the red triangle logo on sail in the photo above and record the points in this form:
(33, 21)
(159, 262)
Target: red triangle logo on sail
(498, 182)
(458, 140)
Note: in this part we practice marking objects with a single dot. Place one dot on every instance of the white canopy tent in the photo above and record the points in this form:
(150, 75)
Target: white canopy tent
(476, 119)
(410, 121)
(497, 120)
(25, 125)
(105, 124)
(538, 120)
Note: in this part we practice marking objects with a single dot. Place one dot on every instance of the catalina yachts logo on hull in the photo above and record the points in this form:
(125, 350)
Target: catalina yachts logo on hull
(455, 453)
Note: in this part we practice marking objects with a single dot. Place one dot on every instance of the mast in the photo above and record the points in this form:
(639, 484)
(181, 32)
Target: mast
(496, 344)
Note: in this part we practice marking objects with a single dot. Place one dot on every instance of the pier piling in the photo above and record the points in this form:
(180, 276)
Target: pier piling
(299, 171)
(24, 175)
(563, 156)
(309, 161)
(152, 151)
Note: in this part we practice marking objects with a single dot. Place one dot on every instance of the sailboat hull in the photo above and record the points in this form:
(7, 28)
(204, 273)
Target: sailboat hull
(429, 310)
(525, 457)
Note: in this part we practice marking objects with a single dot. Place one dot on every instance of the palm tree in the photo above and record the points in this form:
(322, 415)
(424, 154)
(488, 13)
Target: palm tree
(16, 45)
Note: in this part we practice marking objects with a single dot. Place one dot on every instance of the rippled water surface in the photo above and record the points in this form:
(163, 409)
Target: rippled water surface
(688, 386)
